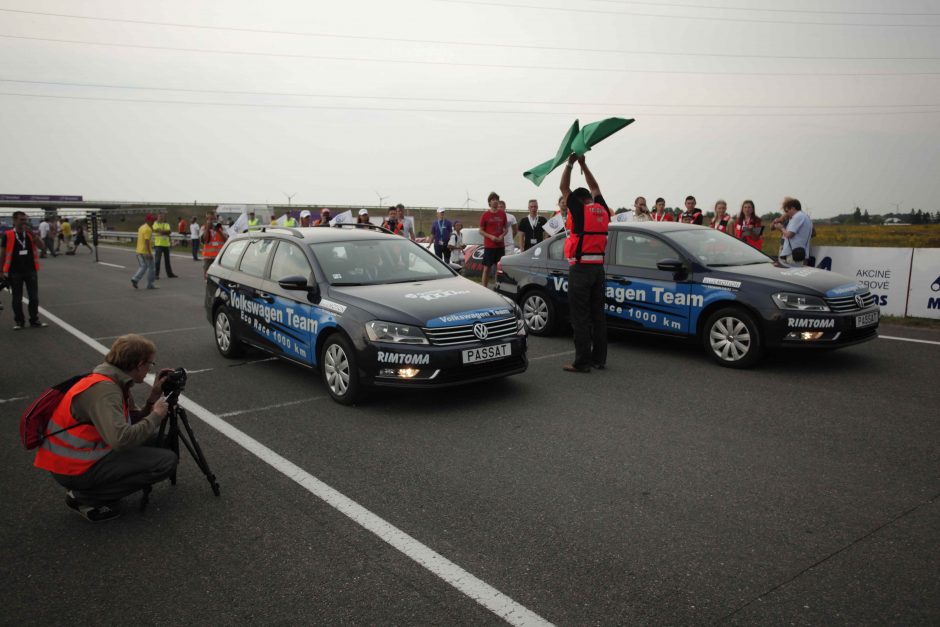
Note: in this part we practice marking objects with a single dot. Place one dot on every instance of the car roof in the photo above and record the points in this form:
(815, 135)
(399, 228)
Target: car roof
(655, 226)
(317, 234)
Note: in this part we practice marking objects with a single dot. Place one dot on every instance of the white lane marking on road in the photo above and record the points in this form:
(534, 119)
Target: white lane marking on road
(907, 339)
(112, 265)
(461, 580)
(113, 337)
(267, 407)
(10, 400)
(253, 362)
(198, 371)
(550, 356)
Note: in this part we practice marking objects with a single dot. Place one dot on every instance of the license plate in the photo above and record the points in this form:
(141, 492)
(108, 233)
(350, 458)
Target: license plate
(866, 320)
(486, 353)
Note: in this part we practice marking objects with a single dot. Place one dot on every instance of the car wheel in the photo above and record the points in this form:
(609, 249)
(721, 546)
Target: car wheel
(339, 370)
(538, 312)
(731, 337)
(226, 338)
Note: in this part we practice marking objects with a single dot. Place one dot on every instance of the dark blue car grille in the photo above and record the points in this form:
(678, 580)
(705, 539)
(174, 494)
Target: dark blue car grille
(847, 303)
(463, 334)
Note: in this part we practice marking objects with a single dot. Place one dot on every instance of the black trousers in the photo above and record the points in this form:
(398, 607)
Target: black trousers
(161, 251)
(586, 300)
(120, 473)
(31, 281)
(441, 251)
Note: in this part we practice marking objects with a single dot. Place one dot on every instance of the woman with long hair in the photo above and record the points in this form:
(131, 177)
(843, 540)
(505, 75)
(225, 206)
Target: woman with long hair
(748, 226)
(722, 220)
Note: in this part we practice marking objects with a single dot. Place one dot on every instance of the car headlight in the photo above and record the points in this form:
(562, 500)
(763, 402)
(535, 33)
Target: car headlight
(379, 331)
(516, 311)
(799, 302)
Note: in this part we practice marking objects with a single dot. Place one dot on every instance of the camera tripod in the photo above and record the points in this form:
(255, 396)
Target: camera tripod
(174, 435)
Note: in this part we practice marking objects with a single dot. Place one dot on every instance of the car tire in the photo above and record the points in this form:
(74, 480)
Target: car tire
(538, 312)
(339, 370)
(732, 338)
(226, 338)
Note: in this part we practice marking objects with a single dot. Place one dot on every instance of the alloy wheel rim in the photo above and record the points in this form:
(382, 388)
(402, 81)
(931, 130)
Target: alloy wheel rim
(730, 339)
(223, 331)
(336, 366)
(535, 313)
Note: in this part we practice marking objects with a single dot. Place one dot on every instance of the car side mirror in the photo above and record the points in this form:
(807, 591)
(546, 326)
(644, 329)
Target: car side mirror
(670, 265)
(456, 267)
(294, 282)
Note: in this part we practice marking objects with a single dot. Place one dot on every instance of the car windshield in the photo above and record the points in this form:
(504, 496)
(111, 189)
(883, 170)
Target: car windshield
(373, 261)
(716, 249)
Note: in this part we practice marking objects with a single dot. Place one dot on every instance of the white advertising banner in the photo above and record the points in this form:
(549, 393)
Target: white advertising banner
(924, 297)
(884, 271)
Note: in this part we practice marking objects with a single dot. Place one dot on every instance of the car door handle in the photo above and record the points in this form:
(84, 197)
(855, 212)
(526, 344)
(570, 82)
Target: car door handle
(264, 296)
(621, 279)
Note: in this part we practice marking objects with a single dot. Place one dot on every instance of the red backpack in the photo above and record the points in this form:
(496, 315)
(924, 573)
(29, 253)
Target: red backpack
(34, 420)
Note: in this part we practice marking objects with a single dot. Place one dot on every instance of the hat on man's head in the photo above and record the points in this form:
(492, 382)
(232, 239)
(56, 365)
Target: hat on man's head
(150, 218)
(440, 209)
(363, 212)
(304, 214)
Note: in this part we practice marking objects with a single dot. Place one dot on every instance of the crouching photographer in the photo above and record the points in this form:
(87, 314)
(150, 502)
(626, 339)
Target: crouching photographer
(98, 445)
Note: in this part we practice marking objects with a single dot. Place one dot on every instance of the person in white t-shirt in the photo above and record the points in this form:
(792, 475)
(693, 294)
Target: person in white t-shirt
(44, 230)
(194, 236)
(407, 224)
(512, 232)
(455, 244)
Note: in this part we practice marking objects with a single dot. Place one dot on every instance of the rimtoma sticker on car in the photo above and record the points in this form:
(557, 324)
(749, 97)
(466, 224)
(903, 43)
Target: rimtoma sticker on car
(406, 359)
(436, 294)
(811, 323)
(721, 282)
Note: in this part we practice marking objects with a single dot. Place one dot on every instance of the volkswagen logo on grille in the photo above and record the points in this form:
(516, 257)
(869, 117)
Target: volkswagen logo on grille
(480, 330)
(860, 301)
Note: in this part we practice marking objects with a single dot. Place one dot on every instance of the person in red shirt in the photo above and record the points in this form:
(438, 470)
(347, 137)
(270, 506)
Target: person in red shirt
(493, 228)
(661, 215)
(748, 226)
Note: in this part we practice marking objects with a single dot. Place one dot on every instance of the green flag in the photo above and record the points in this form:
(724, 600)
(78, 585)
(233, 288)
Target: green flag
(539, 172)
(578, 142)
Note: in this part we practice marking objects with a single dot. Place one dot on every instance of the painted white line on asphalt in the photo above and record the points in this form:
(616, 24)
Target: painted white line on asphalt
(550, 356)
(198, 371)
(113, 337)
(267, 407)
(253, 362)
(477, 589)
(112, 265)
(134, 250)
(10, 400)
(907, 339)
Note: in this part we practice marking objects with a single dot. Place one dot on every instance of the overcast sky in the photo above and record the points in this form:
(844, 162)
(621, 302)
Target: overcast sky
(424, 101)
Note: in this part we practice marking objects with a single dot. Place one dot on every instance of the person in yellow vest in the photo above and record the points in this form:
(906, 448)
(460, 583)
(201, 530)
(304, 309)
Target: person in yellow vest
(98, 445)
(145, 253)
(213, 237)
(289, 220)
(252, 220)
(66, 233)
(161, 245)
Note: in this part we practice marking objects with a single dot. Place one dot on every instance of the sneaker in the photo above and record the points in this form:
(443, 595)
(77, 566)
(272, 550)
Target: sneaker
(134, 283)
(599, 366)
(573, 368)
(172, 276)
(100, 513)
(152, 287)
(37, 324)
(18, 327)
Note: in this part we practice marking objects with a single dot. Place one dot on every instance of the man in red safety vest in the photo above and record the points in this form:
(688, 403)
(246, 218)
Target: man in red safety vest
(19, 266)
(97, 444)
(588, 220)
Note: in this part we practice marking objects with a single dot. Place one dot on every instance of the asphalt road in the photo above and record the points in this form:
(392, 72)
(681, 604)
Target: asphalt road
(664, 490)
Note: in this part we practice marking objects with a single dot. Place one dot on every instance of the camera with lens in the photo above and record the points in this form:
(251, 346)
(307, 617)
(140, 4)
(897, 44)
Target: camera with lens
(175, 382)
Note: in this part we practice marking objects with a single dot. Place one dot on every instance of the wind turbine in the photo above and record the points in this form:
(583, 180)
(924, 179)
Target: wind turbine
(290, 197)
(381, 198)
(469, 200)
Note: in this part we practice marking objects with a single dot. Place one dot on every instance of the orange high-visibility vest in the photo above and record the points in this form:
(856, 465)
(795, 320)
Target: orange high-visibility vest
(588, 245)
(74, 451)
(8, 258)
(210, 249)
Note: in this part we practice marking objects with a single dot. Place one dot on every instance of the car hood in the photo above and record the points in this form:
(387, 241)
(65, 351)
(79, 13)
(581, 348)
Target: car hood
(437, 303)
(805, 278)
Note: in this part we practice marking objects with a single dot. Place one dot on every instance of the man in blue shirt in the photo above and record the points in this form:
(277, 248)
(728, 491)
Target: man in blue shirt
(797, 233)
(440, 234)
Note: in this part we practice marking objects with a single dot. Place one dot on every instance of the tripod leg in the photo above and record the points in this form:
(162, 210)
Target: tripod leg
(196, 451)
(145, 497)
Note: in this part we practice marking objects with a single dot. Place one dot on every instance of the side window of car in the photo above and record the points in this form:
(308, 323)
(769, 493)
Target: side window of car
(232, 253)
(256, 257)
(556, 250)
(641, 251)
(289, 260)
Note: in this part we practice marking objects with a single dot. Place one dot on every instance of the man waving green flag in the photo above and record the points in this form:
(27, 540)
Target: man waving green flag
(577, 141)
